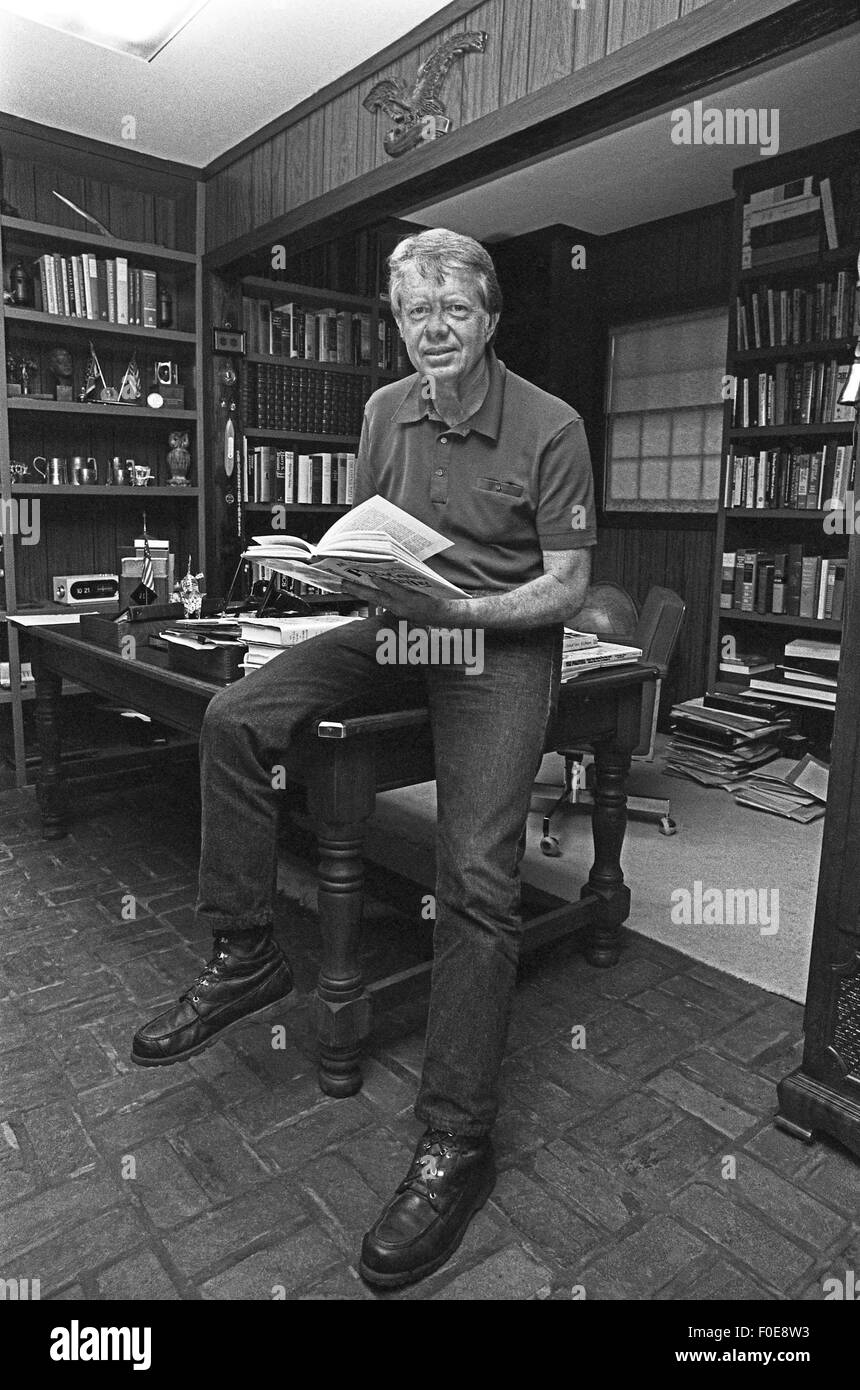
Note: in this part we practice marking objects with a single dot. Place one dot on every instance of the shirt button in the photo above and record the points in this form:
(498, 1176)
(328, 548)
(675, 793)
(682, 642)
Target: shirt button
(498, 487)
(444, 439)
(439, 472)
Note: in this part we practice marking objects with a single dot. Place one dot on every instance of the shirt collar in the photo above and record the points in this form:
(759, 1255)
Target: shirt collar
(487, 419)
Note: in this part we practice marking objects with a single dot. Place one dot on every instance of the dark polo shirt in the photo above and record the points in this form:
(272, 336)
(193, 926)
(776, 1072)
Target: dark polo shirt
(508, 483)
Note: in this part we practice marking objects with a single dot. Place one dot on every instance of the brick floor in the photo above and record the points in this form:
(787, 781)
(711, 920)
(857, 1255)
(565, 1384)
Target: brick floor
(642, 1166)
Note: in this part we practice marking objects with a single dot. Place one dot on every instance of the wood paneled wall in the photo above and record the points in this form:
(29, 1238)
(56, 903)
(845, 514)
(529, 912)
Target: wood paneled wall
(532, 43)
(138, 199)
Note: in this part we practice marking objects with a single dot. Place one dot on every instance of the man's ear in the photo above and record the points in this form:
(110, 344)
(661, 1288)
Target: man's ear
(492, 324)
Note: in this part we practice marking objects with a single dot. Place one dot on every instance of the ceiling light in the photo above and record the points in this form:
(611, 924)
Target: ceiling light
(140, 30)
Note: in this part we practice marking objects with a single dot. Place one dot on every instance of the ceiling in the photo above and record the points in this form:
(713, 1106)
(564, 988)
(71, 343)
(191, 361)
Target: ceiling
(237, 65)
(636, 174)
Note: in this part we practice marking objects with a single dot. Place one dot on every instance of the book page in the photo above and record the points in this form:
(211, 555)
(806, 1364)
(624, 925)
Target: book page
(378, 514)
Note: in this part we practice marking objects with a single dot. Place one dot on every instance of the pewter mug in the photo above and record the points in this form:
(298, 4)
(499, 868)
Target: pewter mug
(84, 470)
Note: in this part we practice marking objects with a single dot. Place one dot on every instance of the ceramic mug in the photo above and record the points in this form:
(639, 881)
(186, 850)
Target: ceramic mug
(141, 474)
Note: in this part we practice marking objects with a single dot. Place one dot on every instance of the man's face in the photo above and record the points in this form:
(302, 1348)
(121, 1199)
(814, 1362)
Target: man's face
(445, 326)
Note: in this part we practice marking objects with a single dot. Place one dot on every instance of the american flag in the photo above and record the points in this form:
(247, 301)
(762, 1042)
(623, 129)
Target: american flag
(147, 577)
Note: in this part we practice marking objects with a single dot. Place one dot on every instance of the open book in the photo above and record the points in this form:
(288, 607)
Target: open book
(376, 540)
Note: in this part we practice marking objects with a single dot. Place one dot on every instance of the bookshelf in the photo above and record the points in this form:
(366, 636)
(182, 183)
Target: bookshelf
(788, 449)
(313, 357)
(80, 528)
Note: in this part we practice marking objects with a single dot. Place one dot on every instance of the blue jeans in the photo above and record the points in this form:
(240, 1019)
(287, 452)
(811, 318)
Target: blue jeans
(488, 735)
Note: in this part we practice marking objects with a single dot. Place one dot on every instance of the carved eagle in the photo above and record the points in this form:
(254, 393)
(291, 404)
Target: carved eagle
(408, 108)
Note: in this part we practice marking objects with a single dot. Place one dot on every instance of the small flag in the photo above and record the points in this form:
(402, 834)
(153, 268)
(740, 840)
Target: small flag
(145, 592)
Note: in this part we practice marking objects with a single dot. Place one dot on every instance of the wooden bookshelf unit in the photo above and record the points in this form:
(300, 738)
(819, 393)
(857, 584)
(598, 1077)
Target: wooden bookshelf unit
(786, 451)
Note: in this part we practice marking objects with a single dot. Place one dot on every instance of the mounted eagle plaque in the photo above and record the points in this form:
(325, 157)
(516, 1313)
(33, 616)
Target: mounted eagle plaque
(419, 115)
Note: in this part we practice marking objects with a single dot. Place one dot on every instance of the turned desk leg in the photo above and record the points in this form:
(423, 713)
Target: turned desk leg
(343, 1007)
(50, 788)
(608, 824)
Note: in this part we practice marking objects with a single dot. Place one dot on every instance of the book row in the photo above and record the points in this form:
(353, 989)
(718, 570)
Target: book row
(770, 317)
(787, 581)
(297, 398)
(281, 475)
(792, 393)
(790, 478)
(86, 287)
(322, 335)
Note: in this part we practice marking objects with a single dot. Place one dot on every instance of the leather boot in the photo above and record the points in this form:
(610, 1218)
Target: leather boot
(449, 1179)
(247, 973)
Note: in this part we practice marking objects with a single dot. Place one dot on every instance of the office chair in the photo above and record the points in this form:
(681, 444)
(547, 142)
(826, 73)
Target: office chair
(611, 613)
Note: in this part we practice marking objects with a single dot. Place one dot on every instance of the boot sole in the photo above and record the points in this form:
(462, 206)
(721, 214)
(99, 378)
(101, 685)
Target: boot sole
(208, 1042)
(397, 1279)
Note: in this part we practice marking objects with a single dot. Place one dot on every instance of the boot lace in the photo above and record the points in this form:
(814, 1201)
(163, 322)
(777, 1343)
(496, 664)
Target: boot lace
(209, 973)
(429, 1163)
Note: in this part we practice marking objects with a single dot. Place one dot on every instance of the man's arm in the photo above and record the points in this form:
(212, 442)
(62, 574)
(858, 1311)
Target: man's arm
(556, 596)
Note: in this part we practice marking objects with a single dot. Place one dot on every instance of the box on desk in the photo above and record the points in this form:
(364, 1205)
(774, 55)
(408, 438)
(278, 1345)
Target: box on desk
(207, 658)
(140, 624)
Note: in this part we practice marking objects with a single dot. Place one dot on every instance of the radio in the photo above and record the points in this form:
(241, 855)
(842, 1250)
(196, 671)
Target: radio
(92, 590)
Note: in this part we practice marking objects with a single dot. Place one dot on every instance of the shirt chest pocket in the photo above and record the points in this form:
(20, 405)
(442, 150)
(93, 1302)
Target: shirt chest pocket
(497, 509)
(502, 490)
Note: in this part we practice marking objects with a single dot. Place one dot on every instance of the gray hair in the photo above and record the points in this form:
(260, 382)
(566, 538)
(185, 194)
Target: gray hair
(437, 252)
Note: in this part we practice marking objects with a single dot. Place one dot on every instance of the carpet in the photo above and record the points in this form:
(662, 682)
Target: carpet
(726, 849)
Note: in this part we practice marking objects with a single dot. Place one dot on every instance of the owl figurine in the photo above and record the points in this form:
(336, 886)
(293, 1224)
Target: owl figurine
(178, 458)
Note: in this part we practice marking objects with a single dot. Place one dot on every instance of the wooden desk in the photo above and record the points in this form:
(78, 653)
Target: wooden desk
(343, 764)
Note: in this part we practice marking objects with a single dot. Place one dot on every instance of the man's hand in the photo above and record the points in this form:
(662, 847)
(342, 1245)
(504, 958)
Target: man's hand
(406, 603)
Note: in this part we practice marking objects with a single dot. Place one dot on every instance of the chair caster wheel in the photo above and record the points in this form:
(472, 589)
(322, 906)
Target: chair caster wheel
(550, 847)
(667, 826)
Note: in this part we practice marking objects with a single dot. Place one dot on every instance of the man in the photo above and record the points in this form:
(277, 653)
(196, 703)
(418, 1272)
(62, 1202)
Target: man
(502, 470)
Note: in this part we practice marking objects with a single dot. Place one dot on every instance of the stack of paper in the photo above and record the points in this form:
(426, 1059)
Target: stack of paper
(577, 659)
(796, 790)
(717, 747)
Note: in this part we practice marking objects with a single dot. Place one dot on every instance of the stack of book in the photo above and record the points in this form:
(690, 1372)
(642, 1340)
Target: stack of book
(794, 478)
(787, 220)
(583, 651)
(268, 637)
(786, 581)
(807, 675)
(745, 664)
(277, 397)
(717, 747)
(85, 287)
(795, 790)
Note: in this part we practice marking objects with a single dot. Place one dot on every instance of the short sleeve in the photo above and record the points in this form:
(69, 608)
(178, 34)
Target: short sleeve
(566, 518)
(365, 485)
